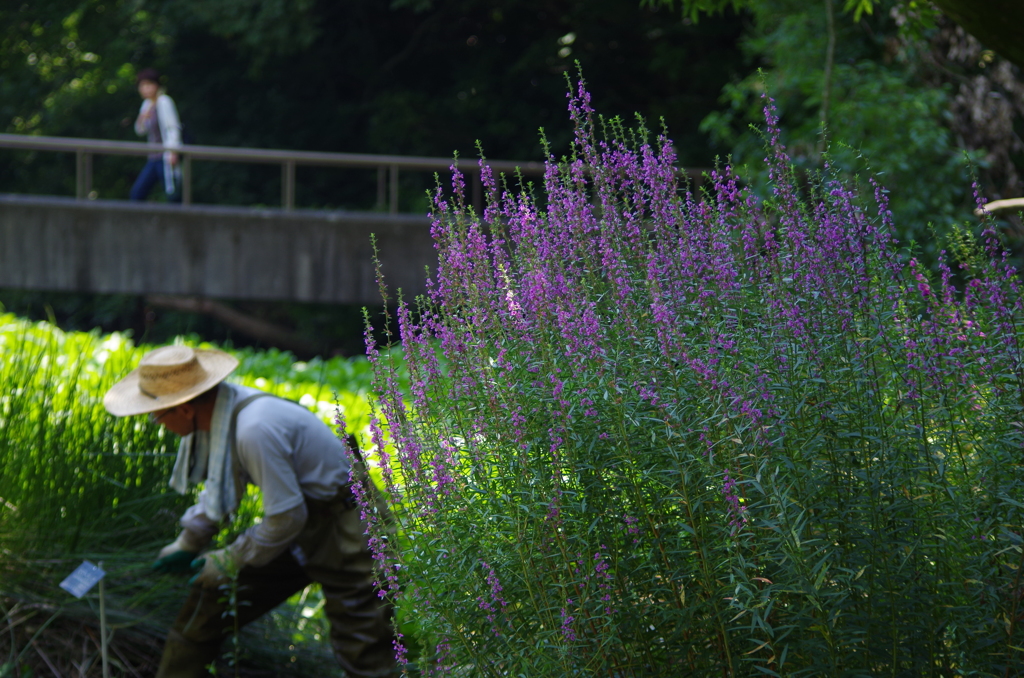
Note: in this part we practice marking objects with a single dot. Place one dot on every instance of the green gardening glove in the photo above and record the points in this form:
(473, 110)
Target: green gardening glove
(177, 562)
(213, 568)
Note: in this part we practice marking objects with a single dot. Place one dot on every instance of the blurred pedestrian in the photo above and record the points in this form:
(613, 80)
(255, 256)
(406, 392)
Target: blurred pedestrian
(158, 122)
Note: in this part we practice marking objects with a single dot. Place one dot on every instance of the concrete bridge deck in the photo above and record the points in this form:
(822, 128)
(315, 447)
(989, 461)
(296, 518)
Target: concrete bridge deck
(107, 246)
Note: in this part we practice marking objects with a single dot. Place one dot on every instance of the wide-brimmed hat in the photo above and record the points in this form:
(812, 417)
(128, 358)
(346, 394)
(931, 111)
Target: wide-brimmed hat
(168, 376)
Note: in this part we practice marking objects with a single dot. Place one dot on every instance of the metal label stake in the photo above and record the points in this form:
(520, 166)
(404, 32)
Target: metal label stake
(104, 636)
(78, 584)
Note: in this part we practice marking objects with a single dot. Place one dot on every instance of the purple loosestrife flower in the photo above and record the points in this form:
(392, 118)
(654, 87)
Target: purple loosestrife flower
(382, 448)
(603, 577)
(601, 377)
(444, 659)
(736, 509)
(568, 632)
(401, 652)
(386, 567)
(443, 464)
(495, 603)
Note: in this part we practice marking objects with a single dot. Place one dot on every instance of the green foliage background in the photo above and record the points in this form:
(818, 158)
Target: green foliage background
(883, 119)
(404, 77)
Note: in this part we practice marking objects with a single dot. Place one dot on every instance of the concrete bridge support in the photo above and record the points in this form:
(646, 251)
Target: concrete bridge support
(102, 246)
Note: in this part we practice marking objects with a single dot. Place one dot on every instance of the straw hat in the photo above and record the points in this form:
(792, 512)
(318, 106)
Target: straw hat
(168, 376)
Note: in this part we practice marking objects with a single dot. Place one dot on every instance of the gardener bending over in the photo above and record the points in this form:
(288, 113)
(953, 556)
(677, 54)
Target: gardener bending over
(311, 531)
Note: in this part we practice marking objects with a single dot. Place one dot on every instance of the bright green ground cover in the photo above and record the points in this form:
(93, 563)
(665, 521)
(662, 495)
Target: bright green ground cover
(76, 483)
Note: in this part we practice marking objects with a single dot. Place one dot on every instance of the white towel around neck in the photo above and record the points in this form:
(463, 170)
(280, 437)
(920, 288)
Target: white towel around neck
(213, 459)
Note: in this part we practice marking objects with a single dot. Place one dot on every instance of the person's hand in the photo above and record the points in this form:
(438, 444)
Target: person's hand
(172, 158)
(213, 568)
(177, 556)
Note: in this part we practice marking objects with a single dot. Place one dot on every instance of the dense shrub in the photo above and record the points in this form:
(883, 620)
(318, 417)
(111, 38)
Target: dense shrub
(659, 433)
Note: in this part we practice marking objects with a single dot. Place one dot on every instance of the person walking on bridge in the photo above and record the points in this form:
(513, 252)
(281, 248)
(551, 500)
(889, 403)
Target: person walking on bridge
(311, 530)
(158, 122)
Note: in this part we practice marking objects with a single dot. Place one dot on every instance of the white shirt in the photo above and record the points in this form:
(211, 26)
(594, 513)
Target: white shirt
(169, 127)
(167, 117)
(287, 452)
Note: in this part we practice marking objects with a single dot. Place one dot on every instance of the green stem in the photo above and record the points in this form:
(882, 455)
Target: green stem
(826, 86)
(706, 572)
(1015, 595)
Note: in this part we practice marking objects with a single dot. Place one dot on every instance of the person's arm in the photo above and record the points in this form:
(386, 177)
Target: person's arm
(199, 527)
(263, 542)
(257, 546)
(170, 126)
(264, 454)
(196, 534)
(140, 120)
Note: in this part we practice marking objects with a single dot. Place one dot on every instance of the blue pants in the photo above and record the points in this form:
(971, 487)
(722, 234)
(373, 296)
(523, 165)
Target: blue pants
(152, 173)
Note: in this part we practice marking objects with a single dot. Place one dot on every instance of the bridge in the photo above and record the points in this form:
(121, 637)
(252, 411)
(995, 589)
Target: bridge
(109, 246)
(83, 244)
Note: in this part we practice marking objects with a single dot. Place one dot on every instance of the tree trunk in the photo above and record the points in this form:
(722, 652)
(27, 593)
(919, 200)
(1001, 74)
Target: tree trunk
(256, 328)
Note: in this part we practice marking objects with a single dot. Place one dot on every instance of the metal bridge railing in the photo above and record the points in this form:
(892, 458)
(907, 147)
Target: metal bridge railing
(387, 166)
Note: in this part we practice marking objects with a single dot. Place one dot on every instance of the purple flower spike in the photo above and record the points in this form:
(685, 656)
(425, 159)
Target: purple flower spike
(641, 427)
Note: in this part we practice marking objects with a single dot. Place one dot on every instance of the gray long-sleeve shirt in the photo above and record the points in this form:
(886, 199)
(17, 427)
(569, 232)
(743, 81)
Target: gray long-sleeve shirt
(289, 454)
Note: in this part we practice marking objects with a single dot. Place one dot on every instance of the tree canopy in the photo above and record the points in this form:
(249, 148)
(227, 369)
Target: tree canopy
(996, 22)
(363, 76)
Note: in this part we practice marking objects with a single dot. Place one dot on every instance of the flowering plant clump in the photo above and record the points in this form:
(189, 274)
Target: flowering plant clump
(650, 432)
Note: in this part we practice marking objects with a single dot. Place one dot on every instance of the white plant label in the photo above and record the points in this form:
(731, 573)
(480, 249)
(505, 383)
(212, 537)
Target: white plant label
(82, 579)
